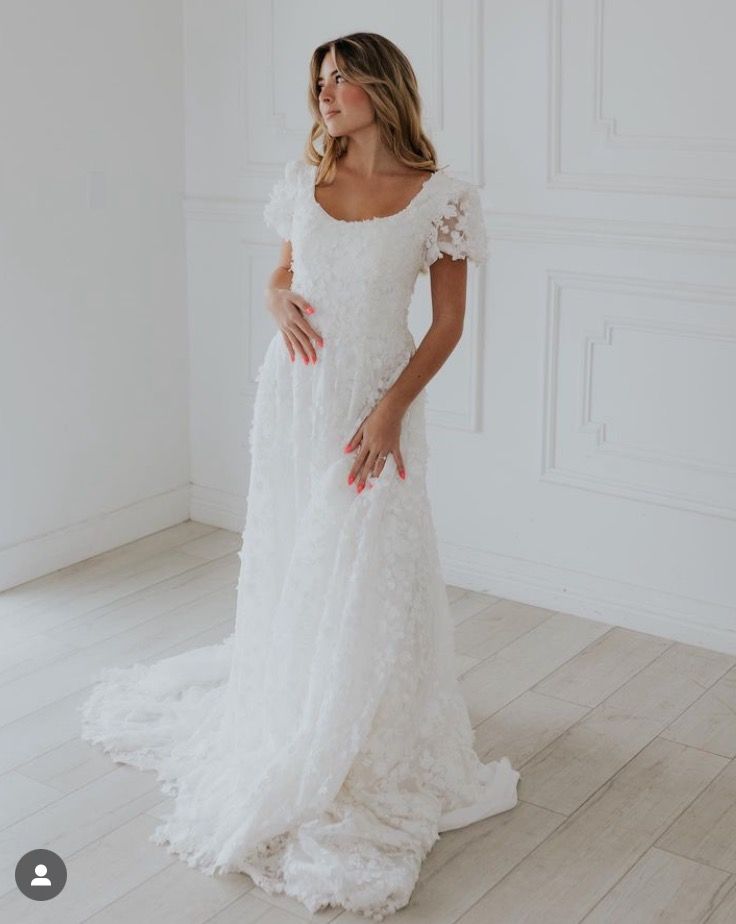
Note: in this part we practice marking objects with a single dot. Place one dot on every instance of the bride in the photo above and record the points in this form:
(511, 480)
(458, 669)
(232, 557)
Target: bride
(324, 745)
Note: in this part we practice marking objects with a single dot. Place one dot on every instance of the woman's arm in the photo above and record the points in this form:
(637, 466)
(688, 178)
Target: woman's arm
(288, 309)
(380, 432)
(281, 277)
(448, 285)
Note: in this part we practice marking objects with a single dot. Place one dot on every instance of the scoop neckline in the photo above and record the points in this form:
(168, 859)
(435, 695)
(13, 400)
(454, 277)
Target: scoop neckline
(376, 218)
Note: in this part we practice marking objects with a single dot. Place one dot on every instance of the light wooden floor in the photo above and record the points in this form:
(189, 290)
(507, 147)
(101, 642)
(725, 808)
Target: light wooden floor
(625, 743)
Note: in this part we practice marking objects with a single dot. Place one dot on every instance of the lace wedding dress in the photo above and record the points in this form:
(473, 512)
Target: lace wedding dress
(323, 746)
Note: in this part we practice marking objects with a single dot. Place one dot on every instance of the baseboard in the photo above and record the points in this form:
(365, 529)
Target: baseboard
(217, 508)
(40, 555)
(645, 609)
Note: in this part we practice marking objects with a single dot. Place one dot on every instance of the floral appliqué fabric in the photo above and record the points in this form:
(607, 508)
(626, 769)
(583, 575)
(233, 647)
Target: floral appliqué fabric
(324, 745)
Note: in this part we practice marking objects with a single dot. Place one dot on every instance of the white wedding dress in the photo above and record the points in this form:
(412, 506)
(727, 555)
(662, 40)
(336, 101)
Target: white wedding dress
(323, 746)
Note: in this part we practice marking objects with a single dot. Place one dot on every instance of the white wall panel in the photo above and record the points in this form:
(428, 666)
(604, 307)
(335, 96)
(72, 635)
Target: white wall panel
(642, 96)
(636, 372)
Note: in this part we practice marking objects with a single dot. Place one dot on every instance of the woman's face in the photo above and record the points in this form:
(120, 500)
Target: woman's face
(350, 103)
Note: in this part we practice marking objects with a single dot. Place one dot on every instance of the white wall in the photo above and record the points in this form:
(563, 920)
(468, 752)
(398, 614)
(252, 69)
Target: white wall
(608, 448)
(93, 346)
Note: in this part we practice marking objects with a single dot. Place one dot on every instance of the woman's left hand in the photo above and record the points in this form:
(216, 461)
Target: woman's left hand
(378, 435)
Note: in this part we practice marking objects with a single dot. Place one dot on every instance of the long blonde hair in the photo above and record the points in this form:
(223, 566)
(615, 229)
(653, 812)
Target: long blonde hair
(386, 75)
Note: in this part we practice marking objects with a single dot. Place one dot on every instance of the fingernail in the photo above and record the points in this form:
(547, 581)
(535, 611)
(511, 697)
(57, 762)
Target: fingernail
(347, 448)
(309, 309)
(360, 488)
(306, 361)
(402, 473)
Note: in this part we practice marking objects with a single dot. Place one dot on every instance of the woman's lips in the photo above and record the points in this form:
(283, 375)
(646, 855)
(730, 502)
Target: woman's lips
(330, 114)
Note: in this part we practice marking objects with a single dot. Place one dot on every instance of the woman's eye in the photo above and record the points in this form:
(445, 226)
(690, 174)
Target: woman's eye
(337, 77)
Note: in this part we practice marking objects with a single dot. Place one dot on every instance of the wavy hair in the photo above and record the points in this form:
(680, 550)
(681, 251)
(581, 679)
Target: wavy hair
(385, 73)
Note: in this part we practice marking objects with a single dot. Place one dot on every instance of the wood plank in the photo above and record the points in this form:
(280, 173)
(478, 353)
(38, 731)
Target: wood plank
(661, 887)
(710, 723)
(469, 603)
(59, 722)
(526, 726)
(604, 666)
(94, 595)
(497, 680)
(568, 874)
(78, 819)
(174, 894)
(21, 796)
(213, 545)
(725, 911)
(103, 870)
(68, 766)
(56, 585)
(484, 633)
(184, 588)
(249, 908)
(706, 830)
(591, 751)
(39, 650)
(20, 698)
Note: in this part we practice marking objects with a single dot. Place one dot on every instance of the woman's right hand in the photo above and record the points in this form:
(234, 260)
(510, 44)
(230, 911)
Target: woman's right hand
(289, 310)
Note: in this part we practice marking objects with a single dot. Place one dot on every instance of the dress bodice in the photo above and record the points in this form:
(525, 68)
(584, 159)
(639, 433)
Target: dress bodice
(362, 272)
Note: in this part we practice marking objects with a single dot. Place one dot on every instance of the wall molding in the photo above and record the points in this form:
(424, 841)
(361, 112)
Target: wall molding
(607, 125)
(525, 227)
(603, 126)
(600, 232)
(551, 470)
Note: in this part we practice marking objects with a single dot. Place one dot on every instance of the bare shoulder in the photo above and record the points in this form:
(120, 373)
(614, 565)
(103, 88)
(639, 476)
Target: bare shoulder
(410, 181)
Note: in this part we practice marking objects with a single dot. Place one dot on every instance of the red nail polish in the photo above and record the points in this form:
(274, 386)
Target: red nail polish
(351, 479)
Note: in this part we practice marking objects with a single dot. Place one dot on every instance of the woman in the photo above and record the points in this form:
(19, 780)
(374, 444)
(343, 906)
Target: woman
(324, 745)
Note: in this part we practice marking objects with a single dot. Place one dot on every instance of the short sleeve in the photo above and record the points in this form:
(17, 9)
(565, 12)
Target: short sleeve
(458, 228)
(279, 209)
